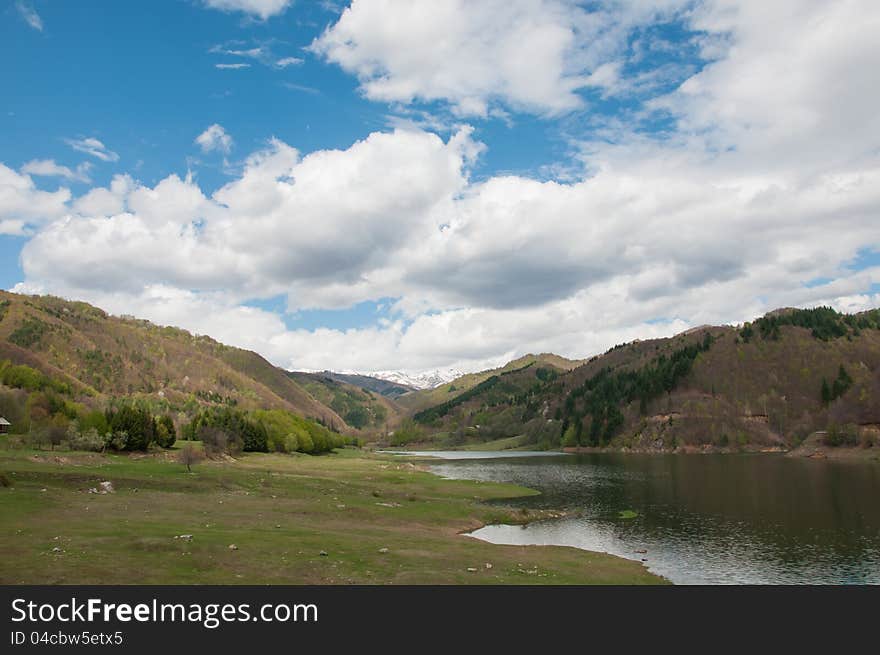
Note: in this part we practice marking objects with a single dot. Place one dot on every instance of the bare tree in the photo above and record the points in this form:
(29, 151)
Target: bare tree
(189, 455)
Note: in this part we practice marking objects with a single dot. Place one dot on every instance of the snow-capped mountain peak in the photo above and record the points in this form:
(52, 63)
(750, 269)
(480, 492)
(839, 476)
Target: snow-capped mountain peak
(424, 380)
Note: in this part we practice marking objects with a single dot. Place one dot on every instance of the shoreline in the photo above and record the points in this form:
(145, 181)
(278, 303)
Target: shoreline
(804, 451)
(531, 516)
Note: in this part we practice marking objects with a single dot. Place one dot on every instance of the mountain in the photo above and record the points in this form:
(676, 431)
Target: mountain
(769, 383)
(359, 406)
(386, 388)
(451, 389)
(426, 380)
(98, 356)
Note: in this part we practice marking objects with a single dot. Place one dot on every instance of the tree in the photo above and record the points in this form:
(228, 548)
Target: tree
(826, 392)
(357, 417)
(138, 425)
(189, 455)
(569, 437)
(166, 433)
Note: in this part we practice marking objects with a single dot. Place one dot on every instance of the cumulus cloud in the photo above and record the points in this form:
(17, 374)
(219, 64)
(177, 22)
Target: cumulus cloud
(764, 187)
(30, 15)
(262, 9)
(214, 138)
(105, 201)
(23, 205)
(49, 168)
(93, 147)
(532, 55)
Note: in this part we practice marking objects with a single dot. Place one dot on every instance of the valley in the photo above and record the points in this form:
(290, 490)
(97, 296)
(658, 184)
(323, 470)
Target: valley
(224, 468)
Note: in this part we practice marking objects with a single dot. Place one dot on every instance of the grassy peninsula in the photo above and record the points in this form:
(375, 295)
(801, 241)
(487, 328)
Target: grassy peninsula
(343, 518)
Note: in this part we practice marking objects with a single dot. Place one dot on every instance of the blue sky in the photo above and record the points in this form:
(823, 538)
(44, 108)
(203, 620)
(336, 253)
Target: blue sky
(420, 185)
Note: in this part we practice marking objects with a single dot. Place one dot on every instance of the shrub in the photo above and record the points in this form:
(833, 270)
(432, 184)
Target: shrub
(570, 439)
(115, 440)
(5, 481)
(840, 435)
(217, 441)
(87, 440)
(306, 445)
(239, 428)
(408, 432)
(292, 442)
(279, 443)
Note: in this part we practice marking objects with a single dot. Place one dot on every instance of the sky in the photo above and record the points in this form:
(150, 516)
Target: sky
(387, 185)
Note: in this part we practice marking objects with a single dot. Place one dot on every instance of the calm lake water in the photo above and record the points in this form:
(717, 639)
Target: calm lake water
(703, 519)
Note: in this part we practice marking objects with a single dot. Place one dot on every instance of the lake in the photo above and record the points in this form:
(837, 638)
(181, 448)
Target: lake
(700, 519)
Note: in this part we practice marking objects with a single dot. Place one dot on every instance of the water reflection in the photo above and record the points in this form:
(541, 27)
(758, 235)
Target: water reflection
(719, 519)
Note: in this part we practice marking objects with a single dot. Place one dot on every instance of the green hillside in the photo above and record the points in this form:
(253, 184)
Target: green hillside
(423, 399)
(70, 367)
(392, 390)
(770, 383)
(360, 408)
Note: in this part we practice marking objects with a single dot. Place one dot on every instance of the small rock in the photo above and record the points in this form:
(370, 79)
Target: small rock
(323, 553)
(383, 550)
(57, 550)
(487, 565)
(641, 551)
(233, 547)
(106, 487)
(185, 537)
(277, 525)
(471, 569)
(43, 489)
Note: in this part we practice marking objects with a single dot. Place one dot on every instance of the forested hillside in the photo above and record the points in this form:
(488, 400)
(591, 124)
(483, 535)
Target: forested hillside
(68, 369)
(768, 383)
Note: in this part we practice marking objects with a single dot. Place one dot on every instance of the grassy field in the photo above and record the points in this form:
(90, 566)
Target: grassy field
(293, 519)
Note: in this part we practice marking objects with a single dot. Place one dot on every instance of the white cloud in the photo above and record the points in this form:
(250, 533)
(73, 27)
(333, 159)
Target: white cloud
(284, 62)
(23, 205)
(30, 15)
(49, 168)
(214, 138)
(102, 201)
(766, 185)
(93, 147)
(237, 66)
(262, 9)
(261, 52)
(531, 55)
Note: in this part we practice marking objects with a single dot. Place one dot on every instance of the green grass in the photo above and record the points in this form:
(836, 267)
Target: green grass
(280, 511)
(506, 443)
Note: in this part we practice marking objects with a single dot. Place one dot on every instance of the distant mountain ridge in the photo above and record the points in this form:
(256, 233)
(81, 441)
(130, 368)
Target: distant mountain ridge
(425, 380)
(387, 388)
(452, 388)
